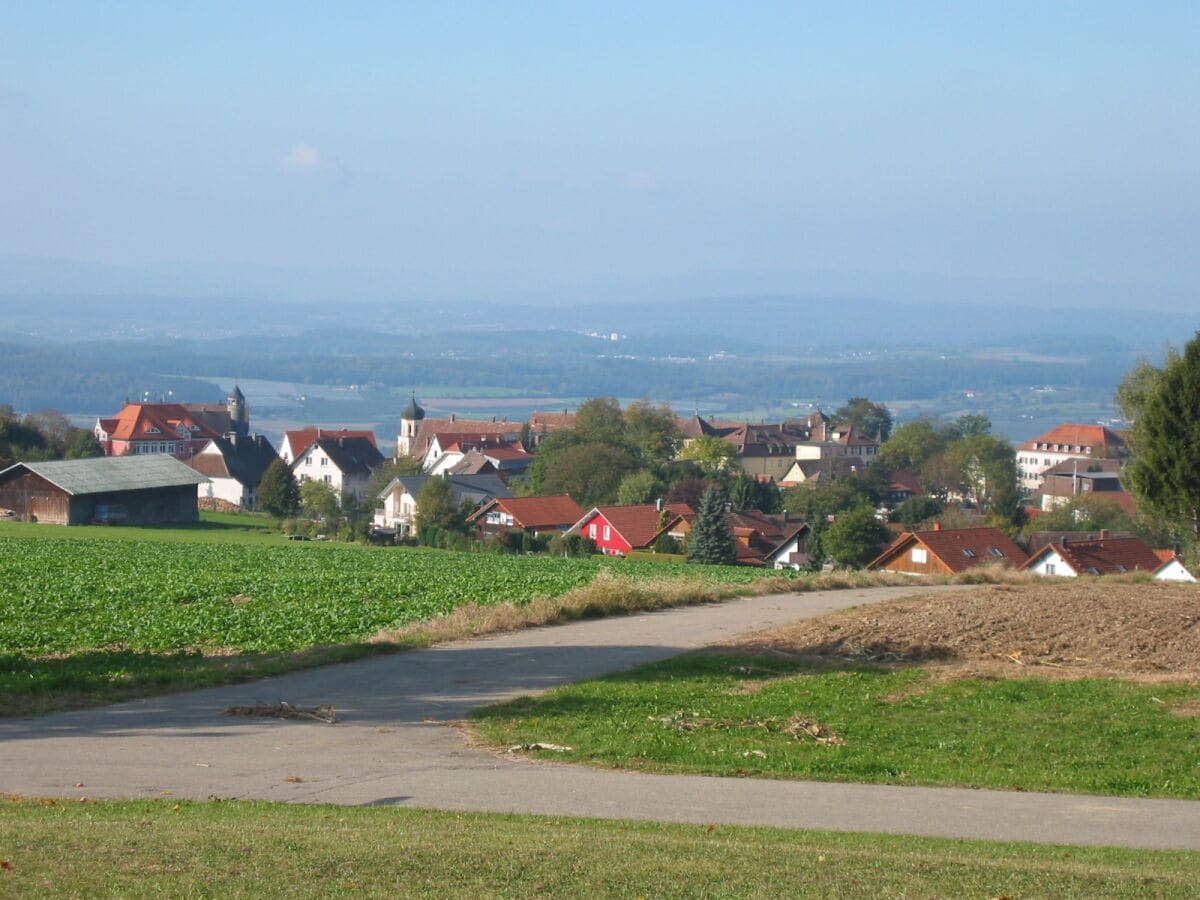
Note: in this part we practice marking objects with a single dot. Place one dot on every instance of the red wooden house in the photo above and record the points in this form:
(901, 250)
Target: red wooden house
(619, 529)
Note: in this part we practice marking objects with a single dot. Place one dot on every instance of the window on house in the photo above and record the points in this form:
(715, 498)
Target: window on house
(324, 460)
(996, 551)
(592, 531)
(327, 478)
(968, 553)
(1092, 570)
(1050, 569)
(920, 555)
(607, 532)
(308, 462)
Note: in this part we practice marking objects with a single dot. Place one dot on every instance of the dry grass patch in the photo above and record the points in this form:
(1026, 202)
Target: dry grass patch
(1144, 631)
(612, 593)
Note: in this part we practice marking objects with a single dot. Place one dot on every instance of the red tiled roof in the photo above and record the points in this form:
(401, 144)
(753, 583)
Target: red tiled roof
(1076, 435)
(537, 512)
(1109, 556)
(506, 453)
(1165, 556)
(551, 421)
(136, 421)
(638, 524)
(957, 548)
(448, 440)
(304, 438)
(457, 430)
(906, 480)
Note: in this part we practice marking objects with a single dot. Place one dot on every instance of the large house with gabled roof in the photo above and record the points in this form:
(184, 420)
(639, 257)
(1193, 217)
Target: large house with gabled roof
(947, 551)
(344, 463)
(1065, 442)
(1106, 555)
(792, 451)
(618, 529)
(297, 441)
(234, 465)
(178, 429)
(536, 515)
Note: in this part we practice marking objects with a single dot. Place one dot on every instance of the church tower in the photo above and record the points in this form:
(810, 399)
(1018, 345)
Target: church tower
(239, 412)
(410, 423)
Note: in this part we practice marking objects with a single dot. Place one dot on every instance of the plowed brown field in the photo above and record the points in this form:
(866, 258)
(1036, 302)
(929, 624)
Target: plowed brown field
(1084, 627)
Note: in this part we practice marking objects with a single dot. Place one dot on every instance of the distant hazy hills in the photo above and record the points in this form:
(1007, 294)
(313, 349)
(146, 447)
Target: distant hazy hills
(734, 324)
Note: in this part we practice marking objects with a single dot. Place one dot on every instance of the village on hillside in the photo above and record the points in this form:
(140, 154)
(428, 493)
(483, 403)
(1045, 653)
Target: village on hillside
(848, 489)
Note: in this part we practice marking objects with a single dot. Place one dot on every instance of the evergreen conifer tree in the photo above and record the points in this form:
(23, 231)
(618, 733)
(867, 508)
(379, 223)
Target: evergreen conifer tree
(711, 540)
(1165, 472)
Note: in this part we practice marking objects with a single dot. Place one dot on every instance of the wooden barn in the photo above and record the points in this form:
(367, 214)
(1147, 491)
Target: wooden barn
(116, 490)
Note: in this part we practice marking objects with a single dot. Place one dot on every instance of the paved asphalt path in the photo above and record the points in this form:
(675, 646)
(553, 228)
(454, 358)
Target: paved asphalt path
(392, 746)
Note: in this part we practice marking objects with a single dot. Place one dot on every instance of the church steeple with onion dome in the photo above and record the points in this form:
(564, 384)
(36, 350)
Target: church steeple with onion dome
(410, 423)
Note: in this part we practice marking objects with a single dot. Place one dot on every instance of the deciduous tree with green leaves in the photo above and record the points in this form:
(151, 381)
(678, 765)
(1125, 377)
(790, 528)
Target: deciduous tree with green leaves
(856, 538)
(278, 493)
(713, 455)
(435, 507)
(319, 499)
(872, 419)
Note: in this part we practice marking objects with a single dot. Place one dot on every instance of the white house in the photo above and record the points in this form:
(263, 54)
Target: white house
(1106, 556)
(399, 498)
(234, 465)
(344, 463)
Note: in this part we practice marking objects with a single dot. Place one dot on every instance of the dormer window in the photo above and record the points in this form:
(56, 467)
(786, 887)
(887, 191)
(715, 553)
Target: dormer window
(152, 430)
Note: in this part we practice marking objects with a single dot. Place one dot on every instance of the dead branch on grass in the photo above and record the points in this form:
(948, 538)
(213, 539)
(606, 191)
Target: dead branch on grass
(284, 710)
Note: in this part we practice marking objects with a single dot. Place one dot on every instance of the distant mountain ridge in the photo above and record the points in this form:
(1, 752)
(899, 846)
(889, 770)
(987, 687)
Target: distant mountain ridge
(783, 323)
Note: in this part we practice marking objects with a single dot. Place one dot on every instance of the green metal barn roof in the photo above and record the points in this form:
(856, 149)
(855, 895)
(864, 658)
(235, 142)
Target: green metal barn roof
(112, 473)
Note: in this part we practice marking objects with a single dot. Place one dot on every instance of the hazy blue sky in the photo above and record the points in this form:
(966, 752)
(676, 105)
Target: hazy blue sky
(568, 150)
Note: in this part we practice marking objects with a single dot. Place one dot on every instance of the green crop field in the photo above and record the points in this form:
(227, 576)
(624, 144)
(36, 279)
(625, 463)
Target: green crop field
(64, 595)
(96, 619)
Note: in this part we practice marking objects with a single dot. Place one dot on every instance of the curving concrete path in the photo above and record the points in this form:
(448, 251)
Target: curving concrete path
(391, 747)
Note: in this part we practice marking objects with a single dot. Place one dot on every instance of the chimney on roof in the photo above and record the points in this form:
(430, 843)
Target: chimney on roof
(658, 505)
(493, 420)
(1104, 533)
(937, 526)
(451, 417)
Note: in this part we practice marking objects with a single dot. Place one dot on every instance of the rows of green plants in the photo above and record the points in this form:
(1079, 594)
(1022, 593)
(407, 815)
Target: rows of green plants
(59, 595)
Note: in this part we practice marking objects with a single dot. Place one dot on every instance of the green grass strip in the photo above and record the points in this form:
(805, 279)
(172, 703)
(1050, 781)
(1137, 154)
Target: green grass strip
(720, 715)
(236, 849)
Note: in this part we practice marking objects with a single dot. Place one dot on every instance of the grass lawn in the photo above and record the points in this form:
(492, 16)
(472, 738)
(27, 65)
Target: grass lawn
(213, 527)
(235, 849)
(760, 716)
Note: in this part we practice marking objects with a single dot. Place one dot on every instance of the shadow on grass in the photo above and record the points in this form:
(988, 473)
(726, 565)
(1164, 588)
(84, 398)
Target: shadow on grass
(38, 685)
(751, 670)
(839, 653)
